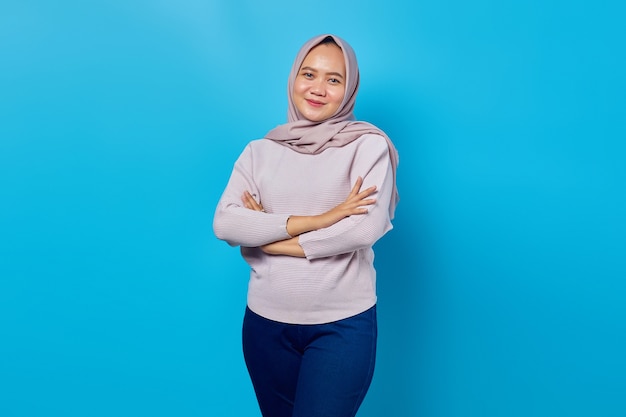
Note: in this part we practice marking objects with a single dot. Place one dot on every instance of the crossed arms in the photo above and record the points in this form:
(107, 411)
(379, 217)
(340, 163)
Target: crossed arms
(355, 223)
(296, 225)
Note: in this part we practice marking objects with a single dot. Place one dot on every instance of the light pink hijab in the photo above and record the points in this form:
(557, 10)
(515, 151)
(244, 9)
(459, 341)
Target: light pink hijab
(305, 136)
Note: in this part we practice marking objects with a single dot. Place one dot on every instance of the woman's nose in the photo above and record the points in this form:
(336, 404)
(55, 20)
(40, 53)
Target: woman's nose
(318, 88)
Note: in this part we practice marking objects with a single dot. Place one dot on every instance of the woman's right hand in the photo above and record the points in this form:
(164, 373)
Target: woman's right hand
(353, 205)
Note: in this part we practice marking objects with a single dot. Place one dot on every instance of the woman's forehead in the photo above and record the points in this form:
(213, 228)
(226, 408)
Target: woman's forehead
(327, 53)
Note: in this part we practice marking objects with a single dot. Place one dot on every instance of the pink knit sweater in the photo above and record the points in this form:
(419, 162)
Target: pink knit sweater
(337, 278)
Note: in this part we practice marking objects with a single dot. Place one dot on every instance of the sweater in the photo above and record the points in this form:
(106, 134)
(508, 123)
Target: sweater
(336, 279)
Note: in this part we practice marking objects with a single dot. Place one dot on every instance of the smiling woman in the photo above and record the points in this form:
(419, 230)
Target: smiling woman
(319, 88)
(301, 205)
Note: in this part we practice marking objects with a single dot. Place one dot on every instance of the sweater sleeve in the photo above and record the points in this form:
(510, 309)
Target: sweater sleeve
(236, 224)
(356, 232)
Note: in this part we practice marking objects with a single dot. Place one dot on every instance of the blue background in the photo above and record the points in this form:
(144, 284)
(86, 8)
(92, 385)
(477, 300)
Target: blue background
(502, 287)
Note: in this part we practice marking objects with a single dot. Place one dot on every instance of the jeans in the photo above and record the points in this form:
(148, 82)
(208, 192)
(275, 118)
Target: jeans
(318, 370)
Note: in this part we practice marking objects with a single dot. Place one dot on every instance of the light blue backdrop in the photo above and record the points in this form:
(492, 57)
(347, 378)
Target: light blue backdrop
(502, 287)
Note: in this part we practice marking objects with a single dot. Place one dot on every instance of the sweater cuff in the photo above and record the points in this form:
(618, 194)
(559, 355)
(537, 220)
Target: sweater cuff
(314, 248)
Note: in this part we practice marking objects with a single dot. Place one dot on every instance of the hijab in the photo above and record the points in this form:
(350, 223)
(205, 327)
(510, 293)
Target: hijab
(305, 136)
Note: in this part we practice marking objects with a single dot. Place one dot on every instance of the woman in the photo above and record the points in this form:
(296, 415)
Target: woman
(306, 204)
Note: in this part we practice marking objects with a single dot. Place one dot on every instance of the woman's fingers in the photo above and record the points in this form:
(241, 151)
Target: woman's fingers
(250, 203)
(362, 195)
(368, 202)
(367, 192)
(357, 187)
(246, 199)
(358, 207)
(357, 198)
(356, 192)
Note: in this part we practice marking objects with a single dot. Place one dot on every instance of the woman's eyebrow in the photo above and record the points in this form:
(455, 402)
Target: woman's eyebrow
(336, 74)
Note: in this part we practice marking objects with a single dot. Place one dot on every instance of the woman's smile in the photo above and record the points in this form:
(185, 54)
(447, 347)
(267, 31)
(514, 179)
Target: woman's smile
(315, 103)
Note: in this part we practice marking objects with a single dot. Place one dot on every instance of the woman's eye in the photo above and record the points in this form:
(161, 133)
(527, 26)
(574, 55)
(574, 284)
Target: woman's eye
(307, 75)
(334, 81)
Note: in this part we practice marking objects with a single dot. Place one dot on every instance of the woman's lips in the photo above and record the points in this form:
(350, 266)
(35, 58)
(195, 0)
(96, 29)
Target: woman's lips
(314, 103)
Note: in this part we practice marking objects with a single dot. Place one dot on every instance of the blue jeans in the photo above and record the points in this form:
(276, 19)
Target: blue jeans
(318, 370)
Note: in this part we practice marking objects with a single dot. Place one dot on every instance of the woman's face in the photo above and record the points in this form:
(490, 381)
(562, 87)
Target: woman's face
(319, 87)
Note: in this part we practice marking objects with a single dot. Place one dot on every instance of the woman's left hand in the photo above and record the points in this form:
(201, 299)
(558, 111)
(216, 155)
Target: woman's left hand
(289, 247)
(250, 203)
